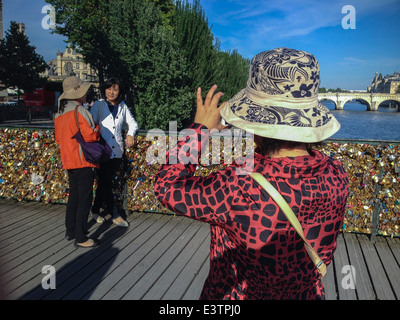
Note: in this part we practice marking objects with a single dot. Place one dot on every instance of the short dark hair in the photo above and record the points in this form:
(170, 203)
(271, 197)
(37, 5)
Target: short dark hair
(61, 105)
(109, 83)
(267, 146)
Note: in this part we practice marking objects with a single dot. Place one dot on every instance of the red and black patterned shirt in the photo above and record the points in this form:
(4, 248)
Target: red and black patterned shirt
(255, 253)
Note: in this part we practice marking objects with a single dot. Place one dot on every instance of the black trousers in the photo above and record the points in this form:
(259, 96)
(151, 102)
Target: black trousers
(79, 202)
(104, 191)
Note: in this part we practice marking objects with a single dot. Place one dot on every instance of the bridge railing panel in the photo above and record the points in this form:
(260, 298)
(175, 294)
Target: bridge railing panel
(30, 169)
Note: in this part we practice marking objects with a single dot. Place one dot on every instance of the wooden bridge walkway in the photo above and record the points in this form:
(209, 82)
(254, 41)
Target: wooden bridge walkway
(159, 257)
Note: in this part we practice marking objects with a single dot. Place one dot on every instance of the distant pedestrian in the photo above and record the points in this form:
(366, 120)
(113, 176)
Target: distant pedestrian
(112, 114)
(255, 252)
(80, 172)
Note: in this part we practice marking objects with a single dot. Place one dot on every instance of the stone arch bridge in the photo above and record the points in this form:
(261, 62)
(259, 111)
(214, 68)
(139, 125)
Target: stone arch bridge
(373, 100)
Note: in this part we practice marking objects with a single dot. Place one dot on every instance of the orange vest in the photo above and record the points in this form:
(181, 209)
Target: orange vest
(65, 128)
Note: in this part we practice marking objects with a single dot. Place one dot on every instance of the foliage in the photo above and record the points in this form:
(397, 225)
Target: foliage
(154, 61)
(231, 72)
(167, 9)
(21, 65)
(339, 90)
(207, 64)
(85, 24)
(196, 40)
(161, 49)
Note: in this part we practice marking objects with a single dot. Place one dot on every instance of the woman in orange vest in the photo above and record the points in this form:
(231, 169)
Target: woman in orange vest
(80, 172)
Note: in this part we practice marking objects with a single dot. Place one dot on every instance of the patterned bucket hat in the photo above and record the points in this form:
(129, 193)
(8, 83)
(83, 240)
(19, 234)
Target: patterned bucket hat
(280, 100)
(74, 88)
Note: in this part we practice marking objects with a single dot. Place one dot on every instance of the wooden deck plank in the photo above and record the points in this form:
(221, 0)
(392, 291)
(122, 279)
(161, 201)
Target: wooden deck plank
(88, 262)
(375, 269)
(6, 206)
(32, 230)
(190, 273)
(362, 281)
(23, 208)
(94, 282)
(59, 255)
(165, 259)
(9, 214)
(157, 257)
(29, 228)
(394, 244)
(188, 253)
(33, 246)
(158, 244)
(24, 267)
(69, 260)
(135, 250)
(22, 214)
(391, 266)
(342, 259)
(329, 282)
(194, 290)
(156, 269)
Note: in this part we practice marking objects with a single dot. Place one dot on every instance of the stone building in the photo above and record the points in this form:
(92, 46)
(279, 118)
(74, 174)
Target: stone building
(70, 63)
(388, 84)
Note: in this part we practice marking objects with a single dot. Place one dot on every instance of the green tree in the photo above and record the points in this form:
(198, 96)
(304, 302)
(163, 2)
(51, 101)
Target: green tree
(167, 8)
(208, 65)
(86, 25)
(231, 72)
(194, 37)
(21, 65)
(155, 63)
(162, 52)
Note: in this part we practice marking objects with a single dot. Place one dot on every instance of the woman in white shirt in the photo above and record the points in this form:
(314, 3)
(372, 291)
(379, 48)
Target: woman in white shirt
(111, 114)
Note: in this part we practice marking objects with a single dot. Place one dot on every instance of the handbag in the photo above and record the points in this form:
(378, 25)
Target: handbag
(95, 152)
(320, 264)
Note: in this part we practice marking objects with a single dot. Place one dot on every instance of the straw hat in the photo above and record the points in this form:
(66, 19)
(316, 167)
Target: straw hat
(280, 100)
(74, 88)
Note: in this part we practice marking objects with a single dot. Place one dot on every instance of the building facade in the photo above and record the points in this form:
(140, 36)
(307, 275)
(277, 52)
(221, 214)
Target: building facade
(68, 64)
(388, 84)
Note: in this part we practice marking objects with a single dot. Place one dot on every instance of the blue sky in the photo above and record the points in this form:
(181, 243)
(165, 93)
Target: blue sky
(348, 58)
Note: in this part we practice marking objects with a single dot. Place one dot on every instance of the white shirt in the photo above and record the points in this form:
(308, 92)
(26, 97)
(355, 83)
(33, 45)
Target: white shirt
(112, 128)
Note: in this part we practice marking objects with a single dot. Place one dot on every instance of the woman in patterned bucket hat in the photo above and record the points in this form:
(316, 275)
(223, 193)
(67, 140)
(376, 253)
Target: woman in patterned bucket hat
(280, 100)
(255, 253)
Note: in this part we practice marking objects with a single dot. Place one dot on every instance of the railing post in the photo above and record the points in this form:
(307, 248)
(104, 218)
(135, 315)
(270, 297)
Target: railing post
(377, 207)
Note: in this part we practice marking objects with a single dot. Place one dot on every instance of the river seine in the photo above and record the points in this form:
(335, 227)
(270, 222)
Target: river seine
(359, 124)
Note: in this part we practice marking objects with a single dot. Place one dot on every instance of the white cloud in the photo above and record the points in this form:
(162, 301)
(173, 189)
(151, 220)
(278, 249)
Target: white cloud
(355, 60)
(383, 61)
(289, 18)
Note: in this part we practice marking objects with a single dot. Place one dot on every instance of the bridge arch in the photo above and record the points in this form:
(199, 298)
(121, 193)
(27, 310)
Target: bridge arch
(397, 102)
(365, 102)
(328, 99)
(377, 99)
(373, 100)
